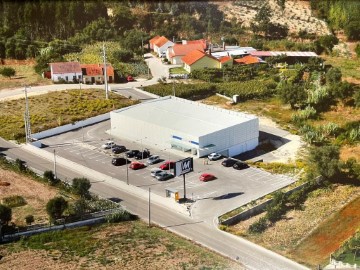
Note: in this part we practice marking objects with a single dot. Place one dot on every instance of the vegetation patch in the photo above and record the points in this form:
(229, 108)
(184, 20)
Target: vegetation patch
(294, 228)
(14, 201)
(126, 245)
(329, 236)
(56, 109)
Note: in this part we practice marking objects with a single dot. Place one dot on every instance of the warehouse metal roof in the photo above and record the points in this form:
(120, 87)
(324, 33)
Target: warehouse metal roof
(185, 116)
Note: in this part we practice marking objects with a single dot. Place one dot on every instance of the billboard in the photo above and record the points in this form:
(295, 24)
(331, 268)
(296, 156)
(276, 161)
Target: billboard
(183, 166)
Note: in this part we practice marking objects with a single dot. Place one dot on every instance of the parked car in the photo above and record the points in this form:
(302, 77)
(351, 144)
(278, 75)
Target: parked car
(153, 159)
(156, 172)
(239, 165)
(108, 145)
(132, 153)
(130, 78)
(214, 156)
(136, 165)
(206, 177)
(117, 149)
(164, 176)
(166, 164)
(120, 161)
(143, 154)
(228, 162)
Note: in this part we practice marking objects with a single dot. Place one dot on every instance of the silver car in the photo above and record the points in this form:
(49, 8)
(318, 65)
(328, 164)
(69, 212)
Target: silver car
(156, 172)
(153, 159)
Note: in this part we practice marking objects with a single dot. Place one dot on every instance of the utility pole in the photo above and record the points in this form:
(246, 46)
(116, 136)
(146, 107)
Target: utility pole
(173, 88)
(27, 118)
(105, 73)
(149, 209)
(55, 174)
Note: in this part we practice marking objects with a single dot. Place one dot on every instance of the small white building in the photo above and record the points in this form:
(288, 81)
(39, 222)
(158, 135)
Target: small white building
(161, 45)
(171, 122)
(67, 71)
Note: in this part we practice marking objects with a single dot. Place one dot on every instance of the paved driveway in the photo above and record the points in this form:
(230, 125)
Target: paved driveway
(231, 189)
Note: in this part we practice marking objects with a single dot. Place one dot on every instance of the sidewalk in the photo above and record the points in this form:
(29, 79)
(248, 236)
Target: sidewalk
(95, 175)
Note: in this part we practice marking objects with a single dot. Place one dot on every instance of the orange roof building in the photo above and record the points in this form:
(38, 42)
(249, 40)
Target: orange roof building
(161, 44)
(152, 41)
(248, 60)
(198, 60)
(94, 73)
(176, 52)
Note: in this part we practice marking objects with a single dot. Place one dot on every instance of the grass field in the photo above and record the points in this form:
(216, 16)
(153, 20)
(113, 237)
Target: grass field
(25, 75)
(127, 245)
(55, 109)
(350, 68)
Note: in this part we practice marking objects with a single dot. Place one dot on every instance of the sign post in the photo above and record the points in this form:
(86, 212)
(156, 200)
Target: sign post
(183, 167)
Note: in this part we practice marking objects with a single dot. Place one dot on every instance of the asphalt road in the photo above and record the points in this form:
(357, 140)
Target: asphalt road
(249, 254)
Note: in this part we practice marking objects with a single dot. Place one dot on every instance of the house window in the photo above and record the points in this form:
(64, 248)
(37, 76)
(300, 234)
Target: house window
(74, 78)
(66, 78)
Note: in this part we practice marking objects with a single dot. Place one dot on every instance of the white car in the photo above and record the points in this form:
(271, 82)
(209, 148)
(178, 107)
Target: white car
(153, 159)
(108, 145)
(156, 172)
(214, 156)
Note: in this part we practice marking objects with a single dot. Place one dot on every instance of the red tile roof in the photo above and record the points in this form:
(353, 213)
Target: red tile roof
(225, 59)
(249, 59)
(97, 70)
(194, 56)
(184, 49)
(161, 41)
(153, 40)
(65, 67)
(198, 41)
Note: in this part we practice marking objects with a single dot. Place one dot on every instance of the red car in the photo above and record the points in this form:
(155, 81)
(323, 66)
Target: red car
(165, 165)
(130, 78)
(206, 177)
(136, 165)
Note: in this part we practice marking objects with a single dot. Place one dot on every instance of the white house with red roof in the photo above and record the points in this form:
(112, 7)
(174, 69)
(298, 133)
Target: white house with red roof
(67, 71)
(161, 44)
(152, 41)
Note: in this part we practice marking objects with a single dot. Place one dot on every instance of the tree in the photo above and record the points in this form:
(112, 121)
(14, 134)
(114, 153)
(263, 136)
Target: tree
(5, 214)
(81, 186)
(29, 219)
(326, 160)
(50, 176)
(8, 72)
(56, 207)
(328, 42)
(333, 76)
(294, 94)
(262, 20)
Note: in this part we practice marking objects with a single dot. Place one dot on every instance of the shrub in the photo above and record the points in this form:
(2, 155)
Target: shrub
(81, 186)
(55, 207)
(5, 214)
(50, 176)
(14, 201)
(259, 226)
(20, 164)
(119, 216)
(29, 219)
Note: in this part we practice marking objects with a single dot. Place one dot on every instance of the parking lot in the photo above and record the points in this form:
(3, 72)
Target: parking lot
(230, 189)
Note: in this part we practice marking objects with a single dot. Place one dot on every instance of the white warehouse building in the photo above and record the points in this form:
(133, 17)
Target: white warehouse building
(186, 125)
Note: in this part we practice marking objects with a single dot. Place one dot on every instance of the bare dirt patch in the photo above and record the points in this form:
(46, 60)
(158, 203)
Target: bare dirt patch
(290, 235)
(35, 194)
(350, 151)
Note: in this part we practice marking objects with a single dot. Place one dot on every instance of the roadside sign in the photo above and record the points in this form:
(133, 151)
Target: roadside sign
(183, 166)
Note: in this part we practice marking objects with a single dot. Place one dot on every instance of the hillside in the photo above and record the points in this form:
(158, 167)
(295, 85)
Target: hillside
(297, 15)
